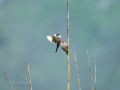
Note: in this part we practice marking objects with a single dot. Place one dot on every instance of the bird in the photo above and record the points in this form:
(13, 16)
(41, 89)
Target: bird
(56, 39)
(64, 47)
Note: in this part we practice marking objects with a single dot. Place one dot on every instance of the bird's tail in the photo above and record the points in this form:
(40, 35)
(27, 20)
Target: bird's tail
(57, 47)
(67, 52)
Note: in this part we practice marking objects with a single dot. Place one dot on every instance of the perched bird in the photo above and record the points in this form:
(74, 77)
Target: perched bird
(55, 39)
(64, 47)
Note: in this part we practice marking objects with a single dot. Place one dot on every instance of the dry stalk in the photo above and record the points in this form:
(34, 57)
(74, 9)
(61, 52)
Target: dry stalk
(29, 74)
(89, 69)
(8, 80)
(68, 43)
(95, 70)
(77, 70)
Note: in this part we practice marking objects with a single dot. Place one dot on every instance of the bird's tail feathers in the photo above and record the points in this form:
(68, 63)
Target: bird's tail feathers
(67, 52)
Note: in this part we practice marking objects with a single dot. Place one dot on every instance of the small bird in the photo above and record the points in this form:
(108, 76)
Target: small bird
(55, 39)
(64, 47)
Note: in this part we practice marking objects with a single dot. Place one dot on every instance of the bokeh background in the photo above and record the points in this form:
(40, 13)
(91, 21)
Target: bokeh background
(93, 24)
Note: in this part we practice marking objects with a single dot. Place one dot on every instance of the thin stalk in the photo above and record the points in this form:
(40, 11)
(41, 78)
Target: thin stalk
(89, 69)
(29, 74)
(77, 70)
(8, 80)
(68, 42)
(95, 70)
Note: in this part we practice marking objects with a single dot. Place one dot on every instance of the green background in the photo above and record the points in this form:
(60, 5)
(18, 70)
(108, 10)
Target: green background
(93, 24)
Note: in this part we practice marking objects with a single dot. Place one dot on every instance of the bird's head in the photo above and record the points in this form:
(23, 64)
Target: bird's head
(58, 34)
(59, 37)
(62, 42)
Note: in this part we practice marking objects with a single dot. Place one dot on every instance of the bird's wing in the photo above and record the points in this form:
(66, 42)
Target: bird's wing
(54, 34)
(51, 39)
